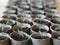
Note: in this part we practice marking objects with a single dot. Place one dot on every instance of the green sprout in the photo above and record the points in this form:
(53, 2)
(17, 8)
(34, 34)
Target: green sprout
(2, 27)
(23, 19)
(57, 29)
(17, 19)
(20, 25)
(59, 37)
(38, 19)
(8, 20)
(42, 34)
(58, 19)
(19, 32)
(39, 26)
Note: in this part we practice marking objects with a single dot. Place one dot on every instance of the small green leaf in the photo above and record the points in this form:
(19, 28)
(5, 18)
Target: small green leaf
(57, 29)
(20, 25)
(59, 37)
(2, 27)
(40, 33)
(58, 19)
(17, 19)
(19, 32)
(8, 20)
(38, 19)
(39, 26)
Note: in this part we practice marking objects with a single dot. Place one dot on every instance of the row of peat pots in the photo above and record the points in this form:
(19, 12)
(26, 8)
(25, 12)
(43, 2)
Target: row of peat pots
(29, 31)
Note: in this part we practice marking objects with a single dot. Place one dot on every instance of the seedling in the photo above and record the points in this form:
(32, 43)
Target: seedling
(38, 19)
(42, 34)
(17, 19)
(2, 27)
(8, 20)
(58, 19)
(20, 33)
(57, 29)
(39, 26)
(24, 20)
(59, 37)
(19, 25)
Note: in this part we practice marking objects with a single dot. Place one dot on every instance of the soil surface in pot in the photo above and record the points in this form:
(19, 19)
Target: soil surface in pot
(24, 29)
(56, 27)
(55, 20)
(18, 37)
(13, 17)
(43, 21)
(37, 36)
(10, 22)
(5, 28)
(3, 38)
(25, 21)
(36, 28)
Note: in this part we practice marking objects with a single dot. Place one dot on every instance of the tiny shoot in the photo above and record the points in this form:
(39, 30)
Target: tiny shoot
(59, 37)
(57, 29)
(40, 26)
(2, 27)
(8, 20)
(38, 19)
(58, 19)
(17, 19)
(20, 33)
(42, 34)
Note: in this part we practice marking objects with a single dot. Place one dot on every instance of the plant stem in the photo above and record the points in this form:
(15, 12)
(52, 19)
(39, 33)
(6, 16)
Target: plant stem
(59, 37)
(7, 21)
(19, 32)
(2, 27)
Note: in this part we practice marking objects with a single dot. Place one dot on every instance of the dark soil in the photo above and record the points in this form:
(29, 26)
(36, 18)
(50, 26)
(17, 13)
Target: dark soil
(2, 38)
(18, 37)
(39, 37)
(5, 29)
(53, 27)
(37, 29)
(5, 21)
(24, 29)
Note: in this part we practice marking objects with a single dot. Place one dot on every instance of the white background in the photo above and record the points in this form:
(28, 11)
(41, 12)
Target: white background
(3, 4)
